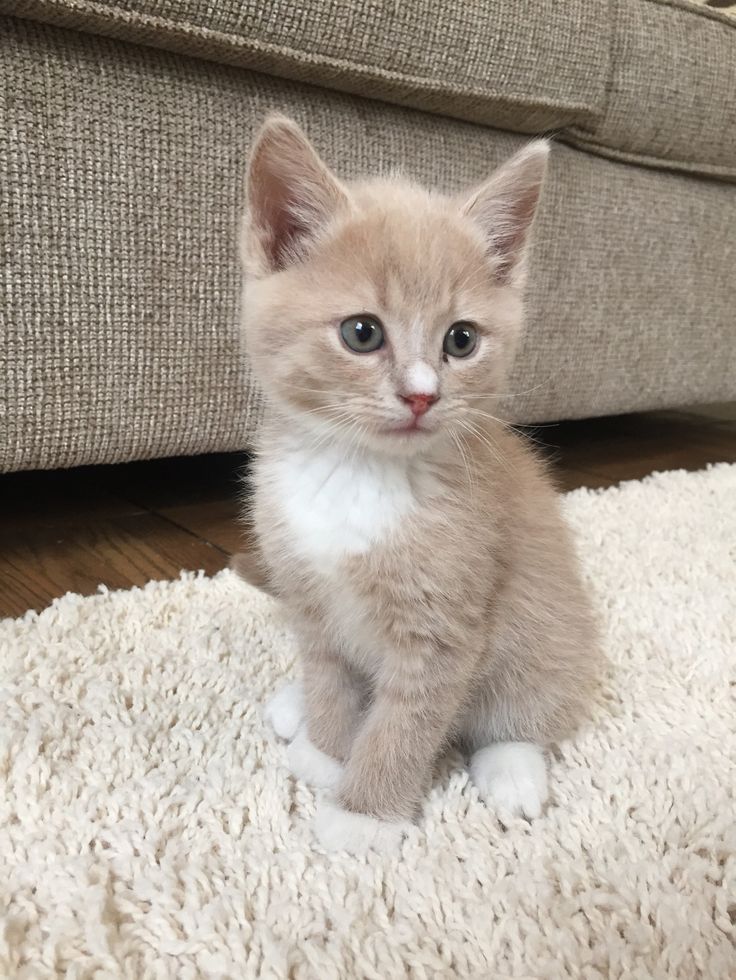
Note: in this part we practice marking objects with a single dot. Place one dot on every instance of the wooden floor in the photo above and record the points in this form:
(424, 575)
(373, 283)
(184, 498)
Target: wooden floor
(123, 525)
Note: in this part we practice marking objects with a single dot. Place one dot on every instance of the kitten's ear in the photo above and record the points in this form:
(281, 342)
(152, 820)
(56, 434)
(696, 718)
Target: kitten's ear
(291, 196)
(504, 208)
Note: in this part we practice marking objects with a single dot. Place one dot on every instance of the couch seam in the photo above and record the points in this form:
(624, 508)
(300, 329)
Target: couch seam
(581, 140)
(187, 29)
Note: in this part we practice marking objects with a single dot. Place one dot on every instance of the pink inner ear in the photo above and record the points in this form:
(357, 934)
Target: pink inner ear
(507, 250)
(274, 217)
(285, 231)
(505, 206)
(291, 193)
(510, 234)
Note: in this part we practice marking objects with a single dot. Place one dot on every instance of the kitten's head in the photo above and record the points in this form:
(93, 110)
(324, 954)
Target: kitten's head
(379, 312)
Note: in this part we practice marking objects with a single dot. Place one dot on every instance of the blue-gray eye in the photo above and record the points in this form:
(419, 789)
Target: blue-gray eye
(460, 339)
(362, 333)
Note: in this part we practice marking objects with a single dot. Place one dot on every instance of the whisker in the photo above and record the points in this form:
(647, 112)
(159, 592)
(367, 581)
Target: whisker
(485, 438)
(511, 394)
(458, 440)
(356, 431)
(513, 427)
(331, 411)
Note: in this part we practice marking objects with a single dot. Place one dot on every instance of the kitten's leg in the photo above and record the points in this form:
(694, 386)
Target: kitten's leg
(503, 728)
(333, 697)
(285, 710)
(513, 775)
(390, 766)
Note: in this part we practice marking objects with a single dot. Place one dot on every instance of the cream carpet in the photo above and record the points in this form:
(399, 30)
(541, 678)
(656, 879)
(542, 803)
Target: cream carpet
(149, 827)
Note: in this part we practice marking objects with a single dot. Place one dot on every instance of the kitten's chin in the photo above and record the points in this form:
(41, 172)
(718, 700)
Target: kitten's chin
(403, 440)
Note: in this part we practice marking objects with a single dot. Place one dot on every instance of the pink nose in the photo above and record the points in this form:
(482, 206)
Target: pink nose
(419, 404)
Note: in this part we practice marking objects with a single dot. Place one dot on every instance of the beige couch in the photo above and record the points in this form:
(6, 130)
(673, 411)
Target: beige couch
(125, 127)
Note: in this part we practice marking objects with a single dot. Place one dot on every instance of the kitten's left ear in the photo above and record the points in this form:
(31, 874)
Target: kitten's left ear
(504, 208)
(292, 195)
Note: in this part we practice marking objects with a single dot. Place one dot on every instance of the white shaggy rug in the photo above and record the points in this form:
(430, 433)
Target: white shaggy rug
(149, 827)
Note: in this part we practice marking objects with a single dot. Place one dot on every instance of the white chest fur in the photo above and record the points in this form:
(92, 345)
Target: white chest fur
(333, 504)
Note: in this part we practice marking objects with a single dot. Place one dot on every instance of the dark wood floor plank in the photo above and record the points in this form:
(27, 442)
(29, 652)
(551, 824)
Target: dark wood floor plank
(38, 565)
(158, 485)
(58, 498)
(630, 447)
(568, 478)
(216, 521)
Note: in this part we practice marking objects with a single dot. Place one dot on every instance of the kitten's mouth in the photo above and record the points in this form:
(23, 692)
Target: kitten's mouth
(412, 428)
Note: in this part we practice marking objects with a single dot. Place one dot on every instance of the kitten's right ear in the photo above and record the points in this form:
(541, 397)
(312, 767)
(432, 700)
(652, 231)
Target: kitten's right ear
(291, 196)
(504, 209)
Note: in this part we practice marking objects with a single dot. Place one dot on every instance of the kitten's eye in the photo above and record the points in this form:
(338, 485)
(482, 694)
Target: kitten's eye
(460, 339)
(362, 333)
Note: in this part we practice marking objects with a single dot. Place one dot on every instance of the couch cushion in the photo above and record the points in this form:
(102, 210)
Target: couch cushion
(647, 81)
(672, 93)
(527, 65)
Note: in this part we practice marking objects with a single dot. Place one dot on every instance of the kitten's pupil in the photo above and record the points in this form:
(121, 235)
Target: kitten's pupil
(460, 339)
(362, 333)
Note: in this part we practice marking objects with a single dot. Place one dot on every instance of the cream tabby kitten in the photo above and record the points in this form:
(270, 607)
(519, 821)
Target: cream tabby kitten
(415, 542)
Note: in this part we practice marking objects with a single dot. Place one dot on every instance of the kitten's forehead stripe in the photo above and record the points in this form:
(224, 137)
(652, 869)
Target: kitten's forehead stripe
(421, 379)
(411, 246)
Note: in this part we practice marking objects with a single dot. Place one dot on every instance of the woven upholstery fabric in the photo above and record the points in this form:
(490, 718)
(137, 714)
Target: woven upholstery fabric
(647, 81)
(526, 66)
(123, 172)
(672, 91)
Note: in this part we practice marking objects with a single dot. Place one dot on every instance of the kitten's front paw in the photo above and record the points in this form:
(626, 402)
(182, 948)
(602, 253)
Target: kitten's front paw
(311, 765)
(513, 775)
(285, 711)
(356, 833)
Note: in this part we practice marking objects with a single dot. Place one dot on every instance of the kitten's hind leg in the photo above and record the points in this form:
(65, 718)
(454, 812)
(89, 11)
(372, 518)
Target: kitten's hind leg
(310, 765)
(513, 775)
(286, 713)
(285, 710)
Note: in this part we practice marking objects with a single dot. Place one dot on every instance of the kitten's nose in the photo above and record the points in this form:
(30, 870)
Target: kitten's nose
(419, 404)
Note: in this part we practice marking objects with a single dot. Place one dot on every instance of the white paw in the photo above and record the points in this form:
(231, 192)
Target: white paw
(285, 711)
(513, 775)
(356, 833)
(312, 766)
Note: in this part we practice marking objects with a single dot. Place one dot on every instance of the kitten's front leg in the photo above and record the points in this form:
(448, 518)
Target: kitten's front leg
(333, 697)
(390, 766)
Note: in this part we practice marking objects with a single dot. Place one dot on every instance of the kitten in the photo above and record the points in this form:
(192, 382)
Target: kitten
(415, 542)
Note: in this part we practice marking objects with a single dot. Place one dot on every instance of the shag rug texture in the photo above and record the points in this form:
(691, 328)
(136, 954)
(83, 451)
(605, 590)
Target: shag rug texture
(150, 828)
